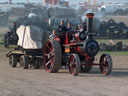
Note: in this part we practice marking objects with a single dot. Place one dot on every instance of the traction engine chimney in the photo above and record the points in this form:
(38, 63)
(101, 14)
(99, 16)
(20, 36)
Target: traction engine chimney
(90, 23)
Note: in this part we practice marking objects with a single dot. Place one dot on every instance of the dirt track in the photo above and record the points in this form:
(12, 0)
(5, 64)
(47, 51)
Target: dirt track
(19, 82)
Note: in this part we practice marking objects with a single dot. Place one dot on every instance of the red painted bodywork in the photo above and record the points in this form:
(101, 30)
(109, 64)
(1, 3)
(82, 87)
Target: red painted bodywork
(66, 39)
(75, 48)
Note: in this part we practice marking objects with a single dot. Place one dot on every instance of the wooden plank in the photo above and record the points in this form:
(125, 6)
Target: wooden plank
(18, 52)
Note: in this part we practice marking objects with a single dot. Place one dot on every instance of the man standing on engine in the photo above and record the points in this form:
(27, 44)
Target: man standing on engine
(70, 31)
(62, 27)
(62, 31)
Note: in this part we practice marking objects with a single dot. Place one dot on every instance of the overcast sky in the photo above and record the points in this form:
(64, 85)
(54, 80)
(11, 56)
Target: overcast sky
(71, 1)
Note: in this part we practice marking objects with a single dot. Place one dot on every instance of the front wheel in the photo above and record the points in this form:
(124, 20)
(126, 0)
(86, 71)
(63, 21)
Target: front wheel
(106, 64)
(74, 64)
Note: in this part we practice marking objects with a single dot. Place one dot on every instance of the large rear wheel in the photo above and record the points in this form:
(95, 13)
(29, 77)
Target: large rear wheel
(74, 64)
(106, 64)
(52, 56)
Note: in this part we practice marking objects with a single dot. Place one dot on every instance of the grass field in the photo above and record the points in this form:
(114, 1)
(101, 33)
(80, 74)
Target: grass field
(125, 41)
(1, 40)
(115, 53)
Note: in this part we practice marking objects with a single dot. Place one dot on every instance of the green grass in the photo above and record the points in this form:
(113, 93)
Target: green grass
(125, 41)
(114, 53)
(1, 38)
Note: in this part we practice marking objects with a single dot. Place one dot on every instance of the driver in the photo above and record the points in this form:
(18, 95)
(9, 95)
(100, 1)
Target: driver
(62, 31)
(62, 28)
(70, 31)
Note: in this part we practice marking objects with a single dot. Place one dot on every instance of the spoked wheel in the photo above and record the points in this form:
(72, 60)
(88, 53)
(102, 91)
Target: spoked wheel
(52, 56)
(24, 62)
(13, 60)
(85, 68)
(74, 64)
(106, 64)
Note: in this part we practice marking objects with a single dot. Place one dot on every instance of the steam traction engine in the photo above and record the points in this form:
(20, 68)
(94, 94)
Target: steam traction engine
(78, 54)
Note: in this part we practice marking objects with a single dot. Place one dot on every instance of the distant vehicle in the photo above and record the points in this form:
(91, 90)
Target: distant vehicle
(113, 30)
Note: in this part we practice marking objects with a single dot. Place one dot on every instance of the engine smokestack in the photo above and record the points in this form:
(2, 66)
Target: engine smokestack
(90, 23)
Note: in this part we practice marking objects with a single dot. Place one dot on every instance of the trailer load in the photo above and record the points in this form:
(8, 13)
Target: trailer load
(30, 37)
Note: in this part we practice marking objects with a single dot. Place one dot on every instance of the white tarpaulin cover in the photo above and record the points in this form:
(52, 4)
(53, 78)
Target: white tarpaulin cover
(30, 37)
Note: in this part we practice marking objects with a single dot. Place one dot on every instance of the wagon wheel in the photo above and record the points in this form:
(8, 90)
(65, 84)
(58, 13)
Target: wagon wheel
(13, 60)
(74, 64)
(36, 64)
(52, 56)
(85, 68)
(24, 62)
(106, 64)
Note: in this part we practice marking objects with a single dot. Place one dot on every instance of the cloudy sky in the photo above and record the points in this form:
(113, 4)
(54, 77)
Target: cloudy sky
(71, 1)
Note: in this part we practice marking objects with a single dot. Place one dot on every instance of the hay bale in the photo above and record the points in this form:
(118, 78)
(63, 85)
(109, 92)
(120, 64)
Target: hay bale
(112, 42)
